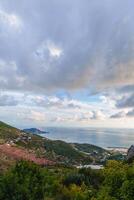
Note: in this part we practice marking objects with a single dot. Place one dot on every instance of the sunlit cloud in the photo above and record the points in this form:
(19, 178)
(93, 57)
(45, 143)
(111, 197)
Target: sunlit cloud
(10, 20)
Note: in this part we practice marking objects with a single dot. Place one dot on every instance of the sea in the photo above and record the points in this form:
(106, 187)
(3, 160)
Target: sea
(103, 137)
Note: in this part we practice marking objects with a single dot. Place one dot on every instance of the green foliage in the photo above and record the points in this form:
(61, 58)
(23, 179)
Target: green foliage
(92, 177)
(27, 181)
(8, 132)
(89, 148)
(65, 152)
(118, 183)
(76, 179)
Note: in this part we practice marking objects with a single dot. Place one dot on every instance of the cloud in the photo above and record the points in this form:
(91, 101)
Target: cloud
(130, 113)
(55, 102)
(70, 45)
(126, 101)
(53, 50)
(35, 116)
(6, 100)
(53, 109)
(118, 115)
(12, 77)
(98, 115)
(10, 20)
(123, 114)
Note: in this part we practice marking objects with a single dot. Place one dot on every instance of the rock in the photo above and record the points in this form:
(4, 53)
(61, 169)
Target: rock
(130, 153)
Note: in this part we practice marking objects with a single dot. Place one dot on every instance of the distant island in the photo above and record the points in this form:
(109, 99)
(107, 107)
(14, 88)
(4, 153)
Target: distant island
(35, 131)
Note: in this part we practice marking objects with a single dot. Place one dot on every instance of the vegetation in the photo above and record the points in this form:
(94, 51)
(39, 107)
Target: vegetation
(65, 150)
(8, 132)
(58, 151)
(89, 148)
(24, 180)
(28, 181)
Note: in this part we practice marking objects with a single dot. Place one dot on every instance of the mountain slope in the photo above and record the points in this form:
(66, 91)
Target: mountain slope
(89, 148)
(56, 151)
(8, 132)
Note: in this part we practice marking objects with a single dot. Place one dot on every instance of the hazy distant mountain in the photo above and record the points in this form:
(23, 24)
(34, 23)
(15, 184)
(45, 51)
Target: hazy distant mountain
(34, 131)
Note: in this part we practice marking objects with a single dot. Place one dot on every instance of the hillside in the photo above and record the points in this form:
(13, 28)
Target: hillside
(89, 148)
(8, 132)
(40, 147)
(27, 180)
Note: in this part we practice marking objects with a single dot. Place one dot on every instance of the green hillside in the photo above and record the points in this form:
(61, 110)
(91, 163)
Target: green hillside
(89, 148)
(8, 132)
(58, 151)
(66, 153)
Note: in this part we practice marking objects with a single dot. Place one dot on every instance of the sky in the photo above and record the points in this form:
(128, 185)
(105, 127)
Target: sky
(67, 63)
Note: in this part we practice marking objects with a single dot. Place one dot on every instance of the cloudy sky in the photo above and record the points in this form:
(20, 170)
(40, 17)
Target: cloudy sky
(67, 63)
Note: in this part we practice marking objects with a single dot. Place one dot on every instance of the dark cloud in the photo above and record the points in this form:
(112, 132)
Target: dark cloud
(130, 113)
(126, 89)
(126, 102)
(118, 115)
(123, 114)
(51, 45)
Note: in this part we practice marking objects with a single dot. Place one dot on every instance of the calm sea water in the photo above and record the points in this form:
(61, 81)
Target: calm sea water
(103, 137)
